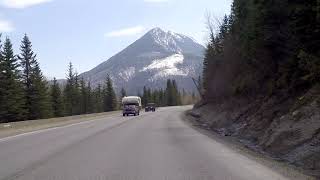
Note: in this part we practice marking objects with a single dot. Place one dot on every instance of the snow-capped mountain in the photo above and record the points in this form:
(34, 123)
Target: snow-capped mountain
(150, 61)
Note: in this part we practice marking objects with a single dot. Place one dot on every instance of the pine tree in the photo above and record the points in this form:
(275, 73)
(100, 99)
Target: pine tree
(77, 95)
(56, 99)
(175, 93)
(70, 94)
(98, 99)
(90, 99)
(11, 90)
(169, 94)
(144, 98)
(39, 95)
(163, 98)
(123, 93)
(84, 97)
(36, 90)
(149, 95)
(207, 63)
(28, 62)
(110, 99)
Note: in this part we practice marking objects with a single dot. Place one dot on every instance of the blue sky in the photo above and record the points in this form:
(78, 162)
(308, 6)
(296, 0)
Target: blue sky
(89, 32)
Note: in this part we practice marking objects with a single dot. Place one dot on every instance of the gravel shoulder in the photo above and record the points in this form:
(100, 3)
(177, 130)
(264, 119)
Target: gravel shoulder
(283, 168)
(16, 128)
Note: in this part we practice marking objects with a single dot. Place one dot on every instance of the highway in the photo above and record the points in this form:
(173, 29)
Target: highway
(152, 146)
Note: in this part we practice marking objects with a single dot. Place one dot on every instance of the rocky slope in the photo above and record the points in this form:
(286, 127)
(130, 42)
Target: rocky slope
(282, 126)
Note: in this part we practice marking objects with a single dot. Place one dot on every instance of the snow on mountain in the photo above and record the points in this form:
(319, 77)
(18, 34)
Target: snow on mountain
(127, 73)
(166, 66)
(166, 39)
(150, 61)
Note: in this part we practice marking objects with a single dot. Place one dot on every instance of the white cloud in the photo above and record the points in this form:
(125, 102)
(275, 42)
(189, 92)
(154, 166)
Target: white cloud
(155, 1)
(20, 4)
(125, 32)
(6, 26)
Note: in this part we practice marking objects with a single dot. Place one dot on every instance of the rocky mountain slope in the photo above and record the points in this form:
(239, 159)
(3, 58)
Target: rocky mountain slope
(150, 61)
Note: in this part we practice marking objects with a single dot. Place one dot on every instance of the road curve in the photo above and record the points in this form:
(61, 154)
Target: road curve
(153, 146)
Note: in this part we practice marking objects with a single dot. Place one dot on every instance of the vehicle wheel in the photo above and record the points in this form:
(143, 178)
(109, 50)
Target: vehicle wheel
(124, 114)
(135, 114)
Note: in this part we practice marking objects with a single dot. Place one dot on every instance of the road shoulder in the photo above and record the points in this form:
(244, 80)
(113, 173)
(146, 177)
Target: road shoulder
(23, 127)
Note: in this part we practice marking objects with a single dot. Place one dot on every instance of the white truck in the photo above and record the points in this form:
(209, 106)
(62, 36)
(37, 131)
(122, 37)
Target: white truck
(131, 105)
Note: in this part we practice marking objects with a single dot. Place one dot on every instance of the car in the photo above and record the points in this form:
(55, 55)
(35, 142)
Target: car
(150, 107)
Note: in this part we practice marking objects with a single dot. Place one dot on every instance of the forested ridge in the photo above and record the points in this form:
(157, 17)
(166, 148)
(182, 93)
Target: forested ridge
(264, 47)
(261, 79)
(25, 94)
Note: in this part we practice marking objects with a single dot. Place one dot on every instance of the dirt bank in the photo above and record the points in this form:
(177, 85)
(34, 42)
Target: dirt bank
(286, 128)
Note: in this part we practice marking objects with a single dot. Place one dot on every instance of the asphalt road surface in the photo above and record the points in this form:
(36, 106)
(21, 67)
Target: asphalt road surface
(153, 146)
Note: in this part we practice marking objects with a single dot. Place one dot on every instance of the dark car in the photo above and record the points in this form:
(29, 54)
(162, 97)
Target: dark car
(150, 107)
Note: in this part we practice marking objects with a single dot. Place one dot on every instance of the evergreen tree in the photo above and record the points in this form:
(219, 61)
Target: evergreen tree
(98, 99)
(175, 94)
(149, 95)
(39, 95)
(123, 93)
(28, 62)
(144, 98)
(155, 97)
(110, 99)
(71, 93)
(169, 94)
(36, 90)
(56, 99)
(11, 90)
(84, 97)
(90, 99)
(162, 98)
(77, 95)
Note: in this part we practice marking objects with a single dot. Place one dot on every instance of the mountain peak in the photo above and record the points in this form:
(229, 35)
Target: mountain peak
(155, 30)
(157, 55)
(170, 40)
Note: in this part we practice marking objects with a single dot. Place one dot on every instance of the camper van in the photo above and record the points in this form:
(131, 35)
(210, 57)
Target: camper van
(131, 105)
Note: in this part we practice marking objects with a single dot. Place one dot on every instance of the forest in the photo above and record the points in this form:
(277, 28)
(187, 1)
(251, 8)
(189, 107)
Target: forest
(263, 48)
(261, 79)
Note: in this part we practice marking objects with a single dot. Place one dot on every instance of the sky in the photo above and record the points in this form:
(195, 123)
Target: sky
(87, 33)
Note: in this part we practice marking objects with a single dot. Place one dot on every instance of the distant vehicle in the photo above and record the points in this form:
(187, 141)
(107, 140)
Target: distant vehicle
(131, 105)
(150, 107)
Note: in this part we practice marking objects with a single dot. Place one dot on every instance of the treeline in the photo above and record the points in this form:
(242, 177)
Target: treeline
(23, 89)
(263, 48)
(170, 96)
(78, 97)
(25, 94)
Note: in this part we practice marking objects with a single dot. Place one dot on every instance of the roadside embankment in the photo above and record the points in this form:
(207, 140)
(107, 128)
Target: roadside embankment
(282, 127)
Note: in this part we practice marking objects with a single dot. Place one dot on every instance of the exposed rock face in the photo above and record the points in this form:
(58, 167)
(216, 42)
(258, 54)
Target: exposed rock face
(281, 126)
